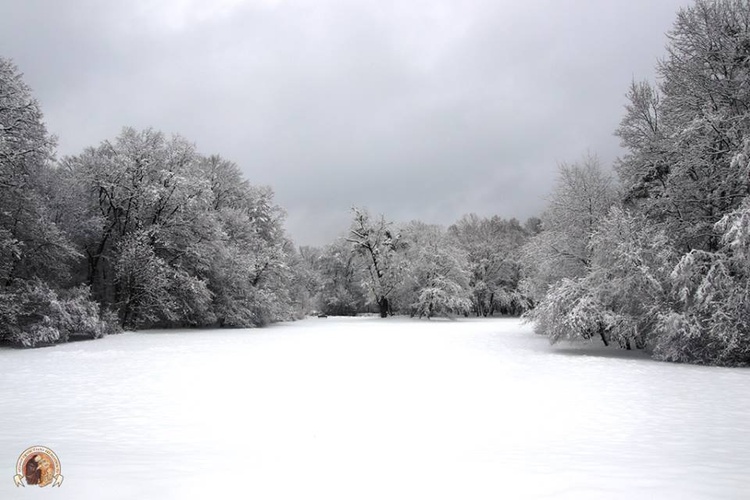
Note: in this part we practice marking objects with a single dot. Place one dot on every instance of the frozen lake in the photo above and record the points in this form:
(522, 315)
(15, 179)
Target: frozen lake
(370, 408)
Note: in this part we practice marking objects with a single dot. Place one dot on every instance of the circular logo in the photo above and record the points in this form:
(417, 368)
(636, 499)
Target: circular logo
(38, 466)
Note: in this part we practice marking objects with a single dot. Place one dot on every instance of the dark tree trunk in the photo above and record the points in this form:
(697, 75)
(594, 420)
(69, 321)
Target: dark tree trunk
(383, 306)
(604, 337)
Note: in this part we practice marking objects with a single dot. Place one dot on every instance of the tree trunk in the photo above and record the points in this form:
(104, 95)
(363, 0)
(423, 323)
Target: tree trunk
(383, 306)
(604, 338)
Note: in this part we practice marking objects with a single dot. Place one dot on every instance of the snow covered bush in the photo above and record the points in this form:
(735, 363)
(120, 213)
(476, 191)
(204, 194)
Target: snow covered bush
(40, 316)
(570, 312)
(28, 321)
(75, 315)
(442, 297)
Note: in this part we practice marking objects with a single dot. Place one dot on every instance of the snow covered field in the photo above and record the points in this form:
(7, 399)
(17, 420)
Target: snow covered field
(370, 408)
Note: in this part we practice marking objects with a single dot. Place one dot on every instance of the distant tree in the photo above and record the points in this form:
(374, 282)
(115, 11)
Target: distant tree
(376, 246)
(303, 280)
(436, 273)
(492, 247)
(340, 289)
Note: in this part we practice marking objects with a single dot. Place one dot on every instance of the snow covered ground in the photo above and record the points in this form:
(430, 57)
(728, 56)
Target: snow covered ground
(370, 408)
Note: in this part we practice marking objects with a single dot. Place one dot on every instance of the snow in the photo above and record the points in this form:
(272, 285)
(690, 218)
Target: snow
(371, 408)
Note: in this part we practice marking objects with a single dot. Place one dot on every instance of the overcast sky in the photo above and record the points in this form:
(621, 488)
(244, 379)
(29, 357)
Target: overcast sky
(416, 109)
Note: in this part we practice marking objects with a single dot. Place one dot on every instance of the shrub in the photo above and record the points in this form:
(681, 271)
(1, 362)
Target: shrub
(35, 315)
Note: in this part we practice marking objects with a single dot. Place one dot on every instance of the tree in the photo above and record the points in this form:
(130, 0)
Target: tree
(31, 244)
(376, 246)
(621, 297)
(682, 139)
(36, 254)
(340, 278)
(146, 199)
(175, 238)
(492, 247)
(436, 273)
(581, 199)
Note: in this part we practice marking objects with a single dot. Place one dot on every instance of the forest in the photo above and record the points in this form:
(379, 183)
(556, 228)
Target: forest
(651, 253)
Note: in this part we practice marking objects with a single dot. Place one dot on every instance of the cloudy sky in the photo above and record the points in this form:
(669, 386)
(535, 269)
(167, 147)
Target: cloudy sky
(416, 109)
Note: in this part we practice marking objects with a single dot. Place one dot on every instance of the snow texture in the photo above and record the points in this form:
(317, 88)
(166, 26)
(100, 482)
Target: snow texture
(369, 408)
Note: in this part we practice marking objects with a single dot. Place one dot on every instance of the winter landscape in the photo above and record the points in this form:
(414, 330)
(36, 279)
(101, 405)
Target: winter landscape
(438, 257)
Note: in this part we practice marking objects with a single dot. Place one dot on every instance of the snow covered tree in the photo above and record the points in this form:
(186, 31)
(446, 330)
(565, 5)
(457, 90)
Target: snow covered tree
(377, 248)
(582, 197)
(682, 138)
(146, 199)
(31, 244)
(620, 299)
(36, 254)
(250, 259)
(151, 292)
(302, 282)
(492, 247)
(175, 238)
(340, 289)
(436, 274)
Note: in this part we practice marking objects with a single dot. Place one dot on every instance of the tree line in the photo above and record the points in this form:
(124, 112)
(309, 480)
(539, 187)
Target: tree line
(473, 267)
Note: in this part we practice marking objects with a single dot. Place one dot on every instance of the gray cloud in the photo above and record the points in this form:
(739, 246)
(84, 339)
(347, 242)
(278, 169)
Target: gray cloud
(419, 109)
